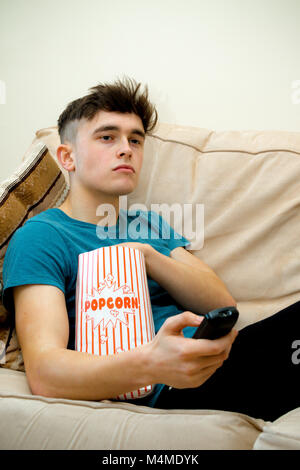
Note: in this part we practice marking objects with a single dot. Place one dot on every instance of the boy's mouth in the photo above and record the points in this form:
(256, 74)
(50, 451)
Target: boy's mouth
(125, 168)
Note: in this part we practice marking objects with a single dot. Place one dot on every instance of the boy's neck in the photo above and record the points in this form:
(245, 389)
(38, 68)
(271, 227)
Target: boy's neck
(86, 207)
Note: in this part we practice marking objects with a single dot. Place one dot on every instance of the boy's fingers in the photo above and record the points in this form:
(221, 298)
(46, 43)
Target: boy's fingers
(176, 323)
(218, 346)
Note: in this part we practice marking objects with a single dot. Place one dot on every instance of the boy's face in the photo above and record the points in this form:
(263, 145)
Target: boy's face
(108, 141)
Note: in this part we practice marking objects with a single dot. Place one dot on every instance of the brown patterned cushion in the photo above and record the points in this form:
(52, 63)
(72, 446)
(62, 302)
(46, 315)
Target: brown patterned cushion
(35, 186)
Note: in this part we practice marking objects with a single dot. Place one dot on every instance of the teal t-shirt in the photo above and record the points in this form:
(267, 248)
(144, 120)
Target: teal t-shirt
(45, 251)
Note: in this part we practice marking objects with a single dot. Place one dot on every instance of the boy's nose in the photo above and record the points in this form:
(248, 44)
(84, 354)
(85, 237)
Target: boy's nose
(124, 149)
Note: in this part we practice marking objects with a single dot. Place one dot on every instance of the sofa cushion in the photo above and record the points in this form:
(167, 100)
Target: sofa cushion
(14, 382)
(36, 185)
(282, 434)
(35, 422)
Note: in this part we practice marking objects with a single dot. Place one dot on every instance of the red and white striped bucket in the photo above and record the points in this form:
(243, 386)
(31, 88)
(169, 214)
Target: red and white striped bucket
(113, 308)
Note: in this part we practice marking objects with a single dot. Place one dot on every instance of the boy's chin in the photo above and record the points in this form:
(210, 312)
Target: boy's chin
(123, 191)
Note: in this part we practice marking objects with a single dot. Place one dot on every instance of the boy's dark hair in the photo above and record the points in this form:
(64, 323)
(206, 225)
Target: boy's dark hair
(122, 97)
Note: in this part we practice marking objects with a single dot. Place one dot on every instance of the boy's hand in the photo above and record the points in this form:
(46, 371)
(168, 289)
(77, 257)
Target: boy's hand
(175, 360)
(186, 362)
(145, 248)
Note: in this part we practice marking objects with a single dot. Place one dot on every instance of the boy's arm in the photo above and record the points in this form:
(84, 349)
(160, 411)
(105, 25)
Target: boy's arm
(210, 291)
(54, 371)
(193, 284)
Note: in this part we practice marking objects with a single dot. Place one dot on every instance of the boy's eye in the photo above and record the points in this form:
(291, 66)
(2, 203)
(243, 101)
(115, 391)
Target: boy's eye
(107, 137)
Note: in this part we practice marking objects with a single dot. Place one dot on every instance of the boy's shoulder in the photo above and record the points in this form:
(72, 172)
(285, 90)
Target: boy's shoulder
(49, 216)
(45, 224)
(55, 221)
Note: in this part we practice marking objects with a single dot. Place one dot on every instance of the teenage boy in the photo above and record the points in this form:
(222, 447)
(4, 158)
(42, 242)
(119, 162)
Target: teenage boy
(102, 139)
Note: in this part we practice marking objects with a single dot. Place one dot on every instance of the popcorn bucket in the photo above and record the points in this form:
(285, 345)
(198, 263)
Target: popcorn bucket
(113, 309)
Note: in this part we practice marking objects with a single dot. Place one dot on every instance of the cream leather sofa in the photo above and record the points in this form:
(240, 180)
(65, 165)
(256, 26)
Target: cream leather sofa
(248, 184)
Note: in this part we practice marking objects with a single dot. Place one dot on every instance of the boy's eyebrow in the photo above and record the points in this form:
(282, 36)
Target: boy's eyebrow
(116, 128)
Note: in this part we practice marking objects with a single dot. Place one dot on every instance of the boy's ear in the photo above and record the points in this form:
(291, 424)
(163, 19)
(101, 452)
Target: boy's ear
(65, 156)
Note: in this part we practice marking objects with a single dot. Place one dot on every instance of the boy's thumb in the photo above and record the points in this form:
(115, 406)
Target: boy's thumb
(176, 323)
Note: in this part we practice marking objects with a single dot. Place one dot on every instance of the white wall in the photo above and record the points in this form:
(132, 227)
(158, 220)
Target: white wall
(220, 64)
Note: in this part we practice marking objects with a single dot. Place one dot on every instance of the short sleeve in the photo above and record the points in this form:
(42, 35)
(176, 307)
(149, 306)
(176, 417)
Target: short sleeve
(35, 255)
(169, 235)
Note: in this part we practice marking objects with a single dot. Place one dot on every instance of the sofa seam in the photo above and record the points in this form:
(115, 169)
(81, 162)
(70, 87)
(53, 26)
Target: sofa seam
(224, 150)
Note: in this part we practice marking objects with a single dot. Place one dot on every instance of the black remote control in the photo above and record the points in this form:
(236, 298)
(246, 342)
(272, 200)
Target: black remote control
(217, 323)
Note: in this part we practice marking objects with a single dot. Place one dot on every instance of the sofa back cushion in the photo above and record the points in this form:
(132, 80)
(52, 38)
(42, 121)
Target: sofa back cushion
(248, 185)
